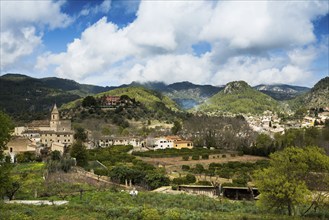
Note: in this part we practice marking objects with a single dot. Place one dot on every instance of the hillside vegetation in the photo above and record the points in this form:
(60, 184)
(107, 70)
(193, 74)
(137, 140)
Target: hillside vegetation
(150, 99)
(317, 97)
(26, 98)
(113, 204)
(238, 97)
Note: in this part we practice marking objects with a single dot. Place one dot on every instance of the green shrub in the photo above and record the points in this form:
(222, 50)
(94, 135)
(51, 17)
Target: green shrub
(241, 179)
(239, 182)
(172, 214)
(150, 214)
(185, 167)
(66, 164)
(114, 212)
(101, 172)
(179, 181)
(225, 173)
(195, 157)
(224, 156)
(198, 169)
(190, 178)
(135, 213)
(156, 179)
(55, 155)
(25, 157)
(186, 158)
(53, 166)
(205, 156)
(203, 182)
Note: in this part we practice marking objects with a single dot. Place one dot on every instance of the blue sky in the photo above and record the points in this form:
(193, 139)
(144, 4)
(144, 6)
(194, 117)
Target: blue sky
(113, 42)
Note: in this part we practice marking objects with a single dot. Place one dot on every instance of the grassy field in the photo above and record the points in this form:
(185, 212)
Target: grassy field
(112, 202)
(115, 204)
(30, 176)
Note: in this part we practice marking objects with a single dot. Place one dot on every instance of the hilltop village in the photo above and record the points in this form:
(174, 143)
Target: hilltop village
(57, 134)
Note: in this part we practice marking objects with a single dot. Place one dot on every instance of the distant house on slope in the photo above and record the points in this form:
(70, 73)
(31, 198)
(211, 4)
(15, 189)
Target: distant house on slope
(107, 141)
(171, 142)
(180, 144)
(109, 101)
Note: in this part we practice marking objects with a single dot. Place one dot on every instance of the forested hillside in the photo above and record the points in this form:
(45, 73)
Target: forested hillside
(238, 97)
(317, 97)
(26, 98)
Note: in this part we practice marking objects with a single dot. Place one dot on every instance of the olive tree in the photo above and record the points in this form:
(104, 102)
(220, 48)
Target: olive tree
(284, 184)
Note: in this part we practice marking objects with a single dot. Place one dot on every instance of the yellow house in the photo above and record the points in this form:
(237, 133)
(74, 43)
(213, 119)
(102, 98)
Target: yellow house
(183, 144)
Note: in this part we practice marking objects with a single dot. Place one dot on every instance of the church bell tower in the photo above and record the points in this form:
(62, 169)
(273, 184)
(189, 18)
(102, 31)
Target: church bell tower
(54, 120)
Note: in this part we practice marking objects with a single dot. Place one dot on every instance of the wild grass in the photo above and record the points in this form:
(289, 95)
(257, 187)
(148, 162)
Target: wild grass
(113, 204)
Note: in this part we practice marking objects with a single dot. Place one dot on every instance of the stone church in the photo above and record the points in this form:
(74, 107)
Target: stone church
(54, 133)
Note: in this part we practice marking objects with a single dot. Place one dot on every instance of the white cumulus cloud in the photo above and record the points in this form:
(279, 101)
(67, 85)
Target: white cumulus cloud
(244, 37)
(19, 23)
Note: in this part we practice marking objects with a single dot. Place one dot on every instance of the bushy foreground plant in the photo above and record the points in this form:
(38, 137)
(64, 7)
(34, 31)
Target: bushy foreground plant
(284, 184)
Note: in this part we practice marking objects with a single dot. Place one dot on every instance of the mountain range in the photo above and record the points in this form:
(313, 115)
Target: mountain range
(188, 95)
(21, 94)
(26, 97)
(282, 91)
(185, 94)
